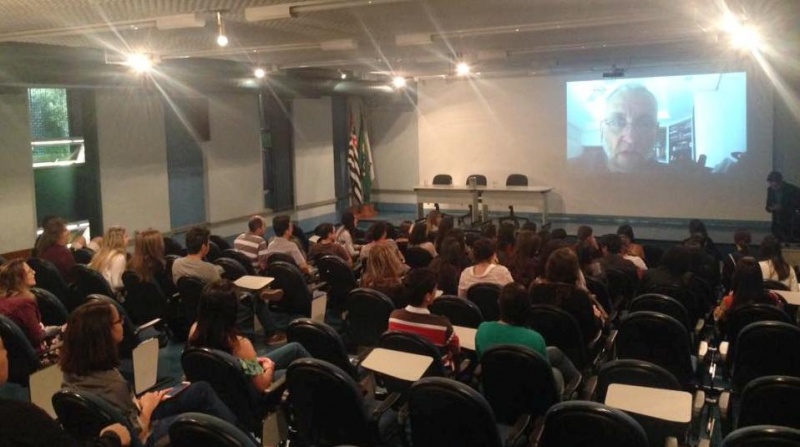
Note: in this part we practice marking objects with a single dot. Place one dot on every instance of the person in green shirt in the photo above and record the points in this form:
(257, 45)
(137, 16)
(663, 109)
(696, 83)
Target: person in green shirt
(511, 330)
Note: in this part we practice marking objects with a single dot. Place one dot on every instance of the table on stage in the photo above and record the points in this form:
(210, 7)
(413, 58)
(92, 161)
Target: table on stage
(501, 195)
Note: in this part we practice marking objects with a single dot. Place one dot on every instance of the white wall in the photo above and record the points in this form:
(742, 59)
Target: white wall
(313, 151)
(133, 159)
(233, 157)
(395, 150)
(17, 201)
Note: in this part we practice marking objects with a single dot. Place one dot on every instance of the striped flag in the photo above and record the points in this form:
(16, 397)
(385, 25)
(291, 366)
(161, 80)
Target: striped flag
(365, 160)
(354, 165)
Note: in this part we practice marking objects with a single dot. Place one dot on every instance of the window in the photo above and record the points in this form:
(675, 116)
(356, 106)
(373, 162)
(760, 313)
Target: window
(54, 142)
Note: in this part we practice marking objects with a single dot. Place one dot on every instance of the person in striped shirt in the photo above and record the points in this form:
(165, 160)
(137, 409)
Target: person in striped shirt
(252, 243)
(420, 289)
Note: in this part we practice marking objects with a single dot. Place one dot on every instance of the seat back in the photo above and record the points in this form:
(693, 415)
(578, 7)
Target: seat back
(766, 348)
(50, 307)
(621, 287)
(445, 412)
(517, 180)
(214, 252)
(83, 255)
(280, 257)
(656, 302)
(771, 400)
(339, 277)
(694, 307)
(220, 241)
(633, 372)
(88, 281)
(22, 358)
(83, 414)
(367, 316)
(48, 278)
(517, 380)
(296, 294)
(656, 338)
(418, 257)
(772, 284)
(599, 289)
(194, 429)
(144, 300)
(415, 344)
(582, 423)
(738, 318)
(485, 296)
(225, 375)
(763, 436)
(321, 341)
(559, 329)
(442, 179)
(173, 247)
(189, 288)
(326, 405)
(233, 268)
(652, 255)
(480, 179)
(241, 258)
(459, 311)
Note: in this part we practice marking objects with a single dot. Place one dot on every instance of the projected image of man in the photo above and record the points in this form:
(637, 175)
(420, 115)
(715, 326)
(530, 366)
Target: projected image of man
(630, 129)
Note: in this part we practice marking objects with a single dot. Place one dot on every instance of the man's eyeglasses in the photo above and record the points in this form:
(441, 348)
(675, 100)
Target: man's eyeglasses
(618, 124)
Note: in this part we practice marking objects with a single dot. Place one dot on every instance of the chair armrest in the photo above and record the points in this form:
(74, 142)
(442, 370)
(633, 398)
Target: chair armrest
(671, 442)
(699, 325)
(698, 403)
(612, 337)
(723, 350)
(356, 360)
(702, 350)
(148, 325)
(317, 285)
(385, 405)
(724, 404)
(589, 389)
(521, 427)
(276, 385)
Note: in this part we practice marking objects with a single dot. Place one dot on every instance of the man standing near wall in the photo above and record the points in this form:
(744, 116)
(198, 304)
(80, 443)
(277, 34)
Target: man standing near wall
(782, 202)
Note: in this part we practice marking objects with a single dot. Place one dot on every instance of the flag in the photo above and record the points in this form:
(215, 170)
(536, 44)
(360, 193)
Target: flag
(354, 165)
(365, 160)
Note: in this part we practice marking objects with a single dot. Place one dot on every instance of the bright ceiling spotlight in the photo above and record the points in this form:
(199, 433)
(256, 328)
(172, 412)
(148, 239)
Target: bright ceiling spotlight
(746, 38)
(222, 39)
(399, 82)
(462, 69)
(259, 73)
(139, 62)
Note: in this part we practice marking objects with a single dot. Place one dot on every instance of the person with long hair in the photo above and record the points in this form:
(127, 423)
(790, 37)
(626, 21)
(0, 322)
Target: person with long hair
(348, 232)
(52, 246)
(773, 266)
(89, 361)
(111, 259)
(506, 239)
(379, 235)
(384, 273)
(148, 255)
(523, 263)
(448, 265)
(747, 287)
(419, 238)
(741, 240)
(18, 303)
(216, 328)
(446, 225)
(432, 222)
(486, 269)
(629, 245)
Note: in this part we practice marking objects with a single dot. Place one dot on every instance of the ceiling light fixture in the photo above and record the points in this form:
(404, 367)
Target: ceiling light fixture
(271, 12)
(222, 39)
(399, 82)
(259, 73)
(462, 69)
(139, 62)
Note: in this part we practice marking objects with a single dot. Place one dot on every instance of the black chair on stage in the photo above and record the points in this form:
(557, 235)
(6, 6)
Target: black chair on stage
(580, 423)
(480, 180)
(194, 429)
(515, 180)
(367, 317)
(486, 296)
(459, 311)
(441, 180)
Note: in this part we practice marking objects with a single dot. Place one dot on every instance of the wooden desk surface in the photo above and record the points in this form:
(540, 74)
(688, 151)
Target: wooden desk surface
(466, 337)
(403, 365)
(251, 282)
(670, 405)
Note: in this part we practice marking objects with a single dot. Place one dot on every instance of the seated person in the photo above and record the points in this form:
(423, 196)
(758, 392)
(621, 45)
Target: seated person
(197, 246)
(673, 271)
(326, 245)
(485, 270)
(149, 262)
(747, 288)
(384, 273)
(23, 423)
(52, 246)
(420, 285)
(629, 245)
(216, 328)
(282, 243)
(379, 235)
(111, 259)
(511, 330)
(419, 238)
(506, 240)
(448, 265)
(773, 266)
(524, 261)
(611, 245)
(741, 240)
(348, 232)
(89, 361)
(19, 304)
(252, 243)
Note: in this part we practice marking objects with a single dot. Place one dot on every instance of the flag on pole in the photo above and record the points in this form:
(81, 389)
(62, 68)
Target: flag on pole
(365, 159)
(354, 165)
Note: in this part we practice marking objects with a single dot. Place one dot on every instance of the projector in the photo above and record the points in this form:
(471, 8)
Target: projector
(615, 73)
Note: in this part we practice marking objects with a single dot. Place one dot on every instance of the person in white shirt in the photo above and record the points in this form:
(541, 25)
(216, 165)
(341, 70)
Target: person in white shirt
(111, 259)
(282, 243)
(773, 266)
(485, 270)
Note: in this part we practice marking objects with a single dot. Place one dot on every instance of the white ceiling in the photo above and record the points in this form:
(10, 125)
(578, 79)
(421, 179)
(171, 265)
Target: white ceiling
(498, 36)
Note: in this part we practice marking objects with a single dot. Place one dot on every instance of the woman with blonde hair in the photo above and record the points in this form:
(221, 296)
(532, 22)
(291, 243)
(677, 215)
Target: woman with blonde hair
(384, 273)
(111, 259)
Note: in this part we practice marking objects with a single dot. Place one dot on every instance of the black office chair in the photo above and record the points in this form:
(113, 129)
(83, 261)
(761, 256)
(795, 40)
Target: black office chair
(53, 311)
(599, 289)
(133, 334)
(322, 342)
(281, 257)
(441, 180)
(459, 311)
(339, 279)
(296, 294)
(656, 302)
(173, 247)
(657, 338)
(581, 423)
(517, 381)
(740, 317)
(225, 375)
(22, 357)
(414, 344)
(652, 255)
(190, 288)
(195, 429)
(233, 268)
(480, 180)
(214, 252)
(242, 258)
(417, 257)
(630, 372)
(83, 414)
(326, 407)
(48, 278)
(443, 412)
(694, 305)
(560, 329)
(621, 287)
(220, 242)
(83, 255)
(763, 436)
(144, 300)
(88, 281)
(367, 317)
(770, 400)
(765, 348)
(515, 180)
(486, 296)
